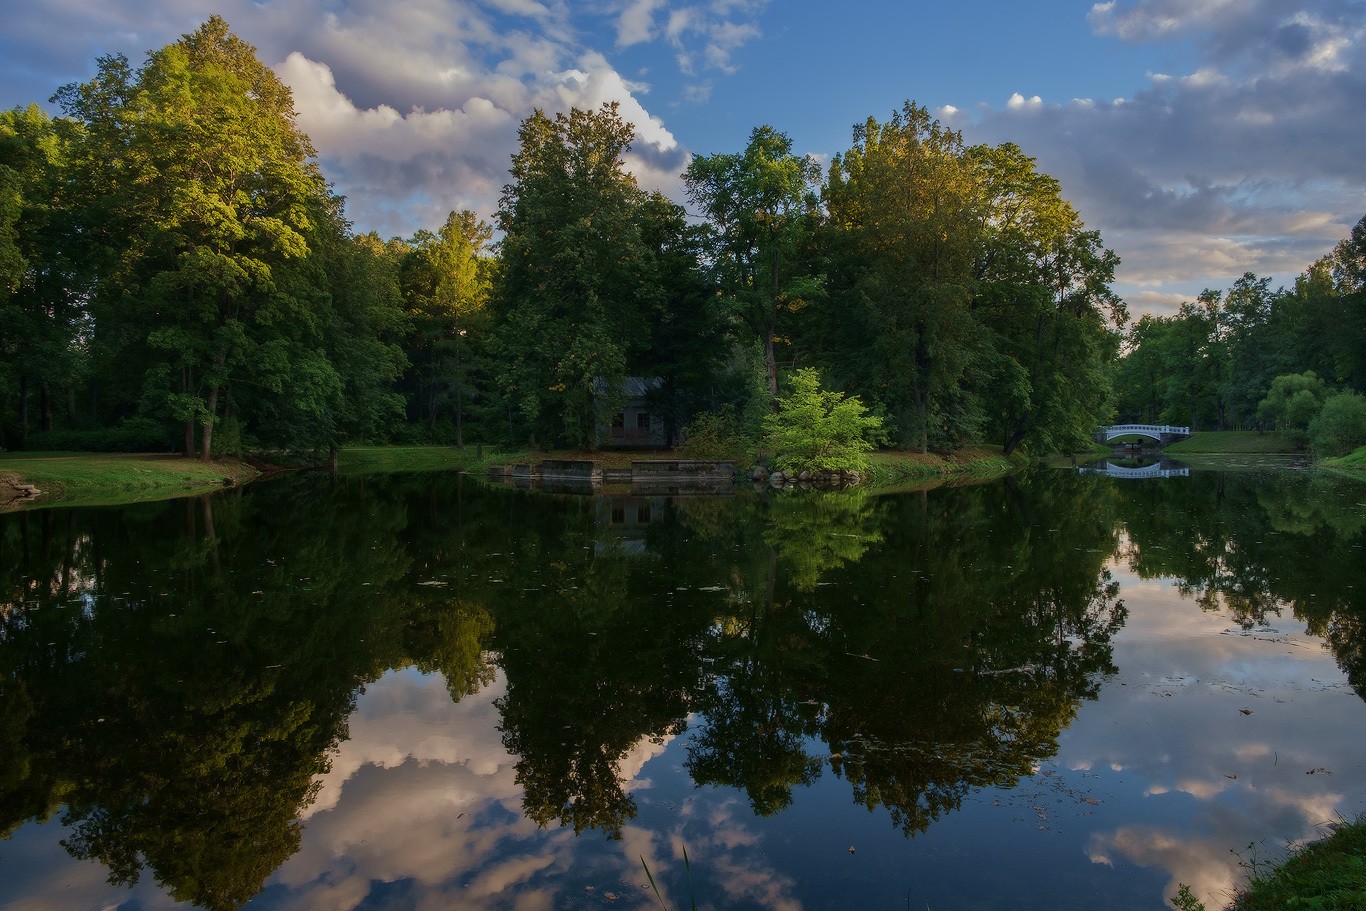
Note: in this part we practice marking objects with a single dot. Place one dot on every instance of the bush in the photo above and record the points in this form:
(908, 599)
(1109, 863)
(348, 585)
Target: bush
(715, 435)
(133, 435)
(819, 430)
(1292, 403)
(1340, 426)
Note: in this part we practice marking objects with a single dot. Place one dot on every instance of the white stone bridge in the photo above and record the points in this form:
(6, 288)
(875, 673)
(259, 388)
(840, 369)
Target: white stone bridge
(1161, 433)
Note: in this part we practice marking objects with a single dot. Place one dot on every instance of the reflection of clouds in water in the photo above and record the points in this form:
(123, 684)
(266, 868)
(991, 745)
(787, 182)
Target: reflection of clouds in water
(718, 842)
(1230, 725)
(1203, 864)
(39, 876)
(424, 793)
(409, 717)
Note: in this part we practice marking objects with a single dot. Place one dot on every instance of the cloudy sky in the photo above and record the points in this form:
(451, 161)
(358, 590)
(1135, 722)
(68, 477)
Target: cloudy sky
(1204, 138)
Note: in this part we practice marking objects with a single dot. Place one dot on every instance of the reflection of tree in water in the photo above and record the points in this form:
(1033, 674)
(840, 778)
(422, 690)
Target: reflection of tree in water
(176, 675)
(189, 666)
(949, 659)
(1256, 543)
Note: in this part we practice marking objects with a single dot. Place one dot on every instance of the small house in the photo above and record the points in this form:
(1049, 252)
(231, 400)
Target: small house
(633, 424)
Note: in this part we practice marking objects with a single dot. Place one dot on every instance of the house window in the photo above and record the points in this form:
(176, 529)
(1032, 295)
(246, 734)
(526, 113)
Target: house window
(642, 420)
(618, 515)
(642, 515)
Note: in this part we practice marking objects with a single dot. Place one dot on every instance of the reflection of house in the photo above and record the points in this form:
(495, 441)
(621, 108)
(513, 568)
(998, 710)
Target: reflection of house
(621, 523)
(633, 423)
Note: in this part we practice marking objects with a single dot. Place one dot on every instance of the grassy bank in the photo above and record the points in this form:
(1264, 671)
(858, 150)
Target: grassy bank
(1234, 442)
(1354, 463)
(1328, 875)
(396, 459)
(97, 479)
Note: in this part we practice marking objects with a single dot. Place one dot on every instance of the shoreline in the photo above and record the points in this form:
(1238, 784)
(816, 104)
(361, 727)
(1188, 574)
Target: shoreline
(109, 479)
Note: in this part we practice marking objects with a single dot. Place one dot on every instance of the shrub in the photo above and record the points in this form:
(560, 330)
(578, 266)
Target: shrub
(715, 435)
(819, 430)
(133, 435)
(1292, 403)
(1340, 426)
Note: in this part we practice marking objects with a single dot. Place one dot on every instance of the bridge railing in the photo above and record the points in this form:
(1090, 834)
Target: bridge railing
(1120, 429)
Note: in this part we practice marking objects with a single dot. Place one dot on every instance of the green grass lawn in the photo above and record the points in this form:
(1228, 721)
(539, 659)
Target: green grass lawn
(389, 459)
(1234, 442)
(94, 479)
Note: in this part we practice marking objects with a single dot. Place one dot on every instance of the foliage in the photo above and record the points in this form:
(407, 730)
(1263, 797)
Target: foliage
(132, 435)
(1292, 402)
(1340, 425)
(715, 435)
(815, 429)
(575, 280)
(761, 205)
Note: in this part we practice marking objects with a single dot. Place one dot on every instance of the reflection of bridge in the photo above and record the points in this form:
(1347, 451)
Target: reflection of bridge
(1155, 470)
(1162, 433)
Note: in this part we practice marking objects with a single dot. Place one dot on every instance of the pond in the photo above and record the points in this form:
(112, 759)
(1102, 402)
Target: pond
(1059, 690)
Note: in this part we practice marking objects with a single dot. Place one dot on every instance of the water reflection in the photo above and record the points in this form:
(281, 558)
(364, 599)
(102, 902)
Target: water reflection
(181, 680)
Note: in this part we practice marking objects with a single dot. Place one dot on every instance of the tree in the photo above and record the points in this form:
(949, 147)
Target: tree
(41, 281)
(761, 204)
(1340, 425)
(817, 430)
(575, 275)
(904, 227)
(1044, 289)
(1292, 403)
(448, 277)
(216, 192)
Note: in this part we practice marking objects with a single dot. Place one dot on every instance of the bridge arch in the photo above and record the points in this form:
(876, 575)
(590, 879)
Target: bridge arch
(1160, 433)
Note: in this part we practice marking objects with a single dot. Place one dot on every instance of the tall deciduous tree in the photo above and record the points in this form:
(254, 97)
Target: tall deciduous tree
(449, 279)
(217, 191)
(1043, 289)
(575, 284)
(40, 281)
(761, 204)
(905, 222)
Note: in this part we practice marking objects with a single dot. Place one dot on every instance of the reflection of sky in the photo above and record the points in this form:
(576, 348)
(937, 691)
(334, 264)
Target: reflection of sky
(1153, 784)
(1210, 733)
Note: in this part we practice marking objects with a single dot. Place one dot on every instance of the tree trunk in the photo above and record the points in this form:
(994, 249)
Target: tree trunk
(206, 438)
(189, 421)
(459, 390)
(23, 410)
(771, 361)
(45, 405)
(332, 460)
(71, 404)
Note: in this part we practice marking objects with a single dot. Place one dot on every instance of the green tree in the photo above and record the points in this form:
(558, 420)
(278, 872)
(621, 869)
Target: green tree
(761, 205)
(575, 282)
(905, 216)
(447, 279)
(1043, 289)
(42, 282)
(1340, 425)
(814, 429)
(216, 193)
(1292, 402)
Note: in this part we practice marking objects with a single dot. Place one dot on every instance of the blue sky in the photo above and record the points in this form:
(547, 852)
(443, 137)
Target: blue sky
(1204, 138)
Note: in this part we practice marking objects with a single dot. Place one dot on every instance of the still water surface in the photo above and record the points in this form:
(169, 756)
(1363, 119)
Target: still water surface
(1060, 690)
